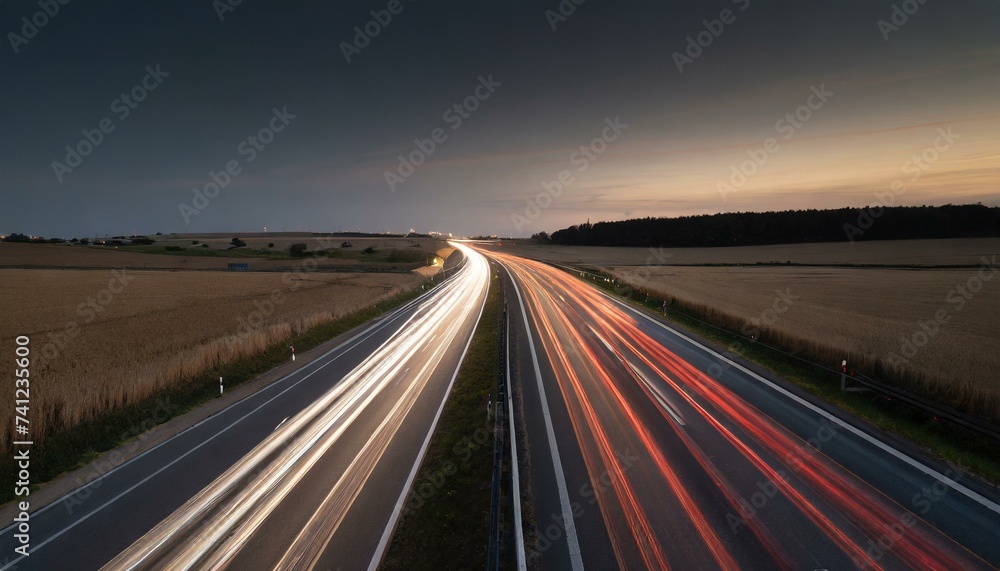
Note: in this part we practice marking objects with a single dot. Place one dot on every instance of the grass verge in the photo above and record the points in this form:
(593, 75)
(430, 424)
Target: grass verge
(70, 449)
(445, 523)
(954, 444)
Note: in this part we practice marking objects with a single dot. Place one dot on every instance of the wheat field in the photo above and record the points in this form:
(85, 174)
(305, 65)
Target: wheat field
(866, 315)
(99, 341)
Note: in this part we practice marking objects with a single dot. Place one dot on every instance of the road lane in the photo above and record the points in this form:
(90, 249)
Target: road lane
(222, 486)
(694, 462)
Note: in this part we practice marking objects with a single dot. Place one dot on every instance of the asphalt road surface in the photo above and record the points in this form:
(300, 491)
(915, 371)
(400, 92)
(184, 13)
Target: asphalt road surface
(309, 472)
(649, 450)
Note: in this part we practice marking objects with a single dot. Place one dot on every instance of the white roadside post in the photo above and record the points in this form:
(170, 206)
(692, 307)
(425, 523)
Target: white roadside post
(220, 385)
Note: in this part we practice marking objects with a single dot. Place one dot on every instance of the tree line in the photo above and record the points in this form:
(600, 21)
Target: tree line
(787, 227)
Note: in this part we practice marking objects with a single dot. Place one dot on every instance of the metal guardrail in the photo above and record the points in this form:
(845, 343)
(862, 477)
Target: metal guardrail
(882, 388)
(499, 410)
(928, 406)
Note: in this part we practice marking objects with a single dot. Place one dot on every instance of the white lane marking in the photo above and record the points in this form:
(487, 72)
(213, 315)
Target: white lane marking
(390, 527)
(660, 398)
(279, 424)
(519, 536)
(971, 494)
(380, 324)
(368, 332)
(575, 558)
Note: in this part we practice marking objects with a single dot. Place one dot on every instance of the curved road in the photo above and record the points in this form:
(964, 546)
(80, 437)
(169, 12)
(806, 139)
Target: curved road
(309, 472)
(650, 450)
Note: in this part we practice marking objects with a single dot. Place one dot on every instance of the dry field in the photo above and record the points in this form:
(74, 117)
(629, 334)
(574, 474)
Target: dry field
(153, 329)
(66, 255)
(960, 251)
(867, 312)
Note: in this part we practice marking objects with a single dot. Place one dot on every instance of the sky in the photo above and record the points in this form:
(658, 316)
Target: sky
(327, 116)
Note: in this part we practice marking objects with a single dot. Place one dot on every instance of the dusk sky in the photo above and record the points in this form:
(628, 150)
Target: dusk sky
(891, 91)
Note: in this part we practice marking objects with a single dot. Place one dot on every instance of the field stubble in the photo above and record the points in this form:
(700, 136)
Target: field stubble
(863, 315)
(159, 329)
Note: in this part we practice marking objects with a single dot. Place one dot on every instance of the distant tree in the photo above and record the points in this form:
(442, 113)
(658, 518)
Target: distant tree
(204, 245)
(159, 233)
(194, 242)
(237, 243)
(85, 241)
(270, 244)
(298, 249)
(74, 241)
(542, 236)
(369, 250)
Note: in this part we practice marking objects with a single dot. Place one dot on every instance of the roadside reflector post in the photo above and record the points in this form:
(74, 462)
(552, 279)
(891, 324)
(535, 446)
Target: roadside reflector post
(220, 385)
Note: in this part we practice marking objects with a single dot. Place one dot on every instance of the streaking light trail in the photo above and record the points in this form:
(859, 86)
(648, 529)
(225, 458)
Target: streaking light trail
(718, 483)
(209, 531)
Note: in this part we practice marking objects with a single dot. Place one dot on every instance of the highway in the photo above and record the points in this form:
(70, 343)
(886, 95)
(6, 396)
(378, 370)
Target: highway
(309, 472)
(647, 449)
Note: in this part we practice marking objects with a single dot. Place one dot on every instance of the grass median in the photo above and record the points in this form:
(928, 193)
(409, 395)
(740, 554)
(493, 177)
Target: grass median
(445, 522)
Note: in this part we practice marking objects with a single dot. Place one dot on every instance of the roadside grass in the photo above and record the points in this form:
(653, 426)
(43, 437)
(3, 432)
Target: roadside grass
(445, 522)
(966, 449)
(70, 449)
